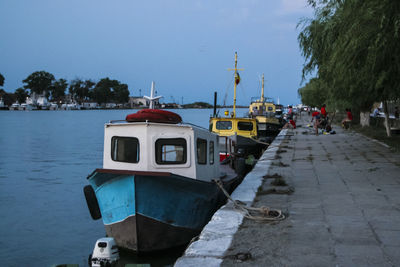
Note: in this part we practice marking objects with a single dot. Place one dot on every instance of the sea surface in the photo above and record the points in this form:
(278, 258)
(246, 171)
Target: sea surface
(45, 157)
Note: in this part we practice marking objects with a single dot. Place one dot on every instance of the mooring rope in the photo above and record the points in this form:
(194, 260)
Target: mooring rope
(261, 142)
(265, 213)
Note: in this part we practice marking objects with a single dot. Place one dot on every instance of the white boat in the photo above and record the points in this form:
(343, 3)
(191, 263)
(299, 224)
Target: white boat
(53, 106)
(157, 187)
(15, 106)
(25, 106)
(71, 106)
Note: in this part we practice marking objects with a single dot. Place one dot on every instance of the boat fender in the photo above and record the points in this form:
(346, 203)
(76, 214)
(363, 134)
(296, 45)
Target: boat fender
(154, 115)
(91, 202)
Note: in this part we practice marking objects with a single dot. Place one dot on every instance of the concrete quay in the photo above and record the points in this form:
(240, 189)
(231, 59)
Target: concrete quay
(344, 211)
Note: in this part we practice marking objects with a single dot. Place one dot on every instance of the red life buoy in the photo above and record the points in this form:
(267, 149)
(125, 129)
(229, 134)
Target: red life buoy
(154, 115)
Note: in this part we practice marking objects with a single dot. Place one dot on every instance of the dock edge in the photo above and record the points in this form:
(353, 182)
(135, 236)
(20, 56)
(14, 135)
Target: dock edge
(216, 237)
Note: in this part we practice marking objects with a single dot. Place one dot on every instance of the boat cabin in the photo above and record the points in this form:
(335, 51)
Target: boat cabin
(259, 107)
(245, 127)
(264, 112)
(181, 149)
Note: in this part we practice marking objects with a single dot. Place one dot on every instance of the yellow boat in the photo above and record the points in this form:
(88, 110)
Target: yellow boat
(237, 134)
(263, 110)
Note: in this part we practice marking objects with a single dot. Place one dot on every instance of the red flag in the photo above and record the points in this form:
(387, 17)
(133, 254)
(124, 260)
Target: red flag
(237, 78)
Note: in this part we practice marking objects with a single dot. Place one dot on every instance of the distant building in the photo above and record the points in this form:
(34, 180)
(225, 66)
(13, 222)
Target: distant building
(170, 105)
(111, 105)
(138, 101)
(89, 105)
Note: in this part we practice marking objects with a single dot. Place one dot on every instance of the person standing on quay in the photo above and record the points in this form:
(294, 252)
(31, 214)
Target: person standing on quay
(316, 116)
(323, 111)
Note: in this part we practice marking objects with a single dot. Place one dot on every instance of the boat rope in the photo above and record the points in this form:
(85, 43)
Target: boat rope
(261, 142)
(226, 91)
(262, 214)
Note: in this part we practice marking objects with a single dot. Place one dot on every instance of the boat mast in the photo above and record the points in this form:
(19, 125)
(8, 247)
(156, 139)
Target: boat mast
(262, 89)
(152, 98)
(234, 85)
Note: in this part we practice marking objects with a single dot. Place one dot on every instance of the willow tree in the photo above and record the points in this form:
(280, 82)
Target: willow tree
(1, 80)
(313, 94)
(354, 46)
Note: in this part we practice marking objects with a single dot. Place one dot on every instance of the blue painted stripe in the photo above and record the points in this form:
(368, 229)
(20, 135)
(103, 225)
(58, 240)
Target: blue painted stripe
(174, 200)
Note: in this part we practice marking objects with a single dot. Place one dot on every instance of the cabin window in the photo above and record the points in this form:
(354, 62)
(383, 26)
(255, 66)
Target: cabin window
(245, 126)
(201, 151)
(171, 151)
(270, 109)
(125, 149)
(211, 152)
(223, 125)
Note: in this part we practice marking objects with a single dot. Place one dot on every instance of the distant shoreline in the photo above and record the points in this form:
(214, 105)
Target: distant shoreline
(7, 109)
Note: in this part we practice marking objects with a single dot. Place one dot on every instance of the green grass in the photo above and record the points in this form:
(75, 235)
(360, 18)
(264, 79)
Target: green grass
(379, 133)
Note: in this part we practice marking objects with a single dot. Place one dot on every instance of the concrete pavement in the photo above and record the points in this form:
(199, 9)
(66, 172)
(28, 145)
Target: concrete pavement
(345, 210)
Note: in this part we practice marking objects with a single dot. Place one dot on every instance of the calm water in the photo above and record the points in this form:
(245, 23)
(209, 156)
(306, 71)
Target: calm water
(45, 157)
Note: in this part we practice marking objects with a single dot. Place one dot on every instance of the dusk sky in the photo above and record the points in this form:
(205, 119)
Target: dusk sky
(186, 47)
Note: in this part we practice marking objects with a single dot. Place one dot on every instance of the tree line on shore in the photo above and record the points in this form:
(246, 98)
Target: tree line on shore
(41, 82)
(104, 91)
(352, 50)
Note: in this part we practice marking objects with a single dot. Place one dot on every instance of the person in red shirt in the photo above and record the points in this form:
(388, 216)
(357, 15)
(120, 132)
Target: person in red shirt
(316, 116)
(349, 118)
(323, 111)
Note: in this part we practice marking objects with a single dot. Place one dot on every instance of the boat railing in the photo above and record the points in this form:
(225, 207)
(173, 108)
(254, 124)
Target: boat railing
(186, 123)
(191, 124)
(117, 121)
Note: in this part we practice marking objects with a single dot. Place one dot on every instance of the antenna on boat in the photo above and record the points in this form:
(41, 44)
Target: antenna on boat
(152, 98)
(237, 80)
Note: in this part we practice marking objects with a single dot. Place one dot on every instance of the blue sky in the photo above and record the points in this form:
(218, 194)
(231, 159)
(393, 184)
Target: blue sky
(184, 46)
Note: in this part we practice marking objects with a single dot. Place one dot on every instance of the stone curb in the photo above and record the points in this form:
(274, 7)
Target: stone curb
(217, 235)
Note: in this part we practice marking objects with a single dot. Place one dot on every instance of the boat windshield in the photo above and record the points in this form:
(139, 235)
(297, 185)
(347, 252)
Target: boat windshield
(223, 125)
(245, 126)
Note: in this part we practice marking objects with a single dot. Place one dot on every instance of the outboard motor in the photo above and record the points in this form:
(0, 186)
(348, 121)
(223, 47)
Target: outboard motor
(105, 253)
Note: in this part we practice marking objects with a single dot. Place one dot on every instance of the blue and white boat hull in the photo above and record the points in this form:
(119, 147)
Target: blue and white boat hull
(148, 211)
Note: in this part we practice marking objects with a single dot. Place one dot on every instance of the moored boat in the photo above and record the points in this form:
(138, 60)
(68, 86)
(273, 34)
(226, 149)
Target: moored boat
(263, 110)
(156, 189)
(237, 134)
(26, 106)
(15, 106)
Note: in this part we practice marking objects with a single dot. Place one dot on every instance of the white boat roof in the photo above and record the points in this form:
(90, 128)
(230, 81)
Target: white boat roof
(182, 124)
